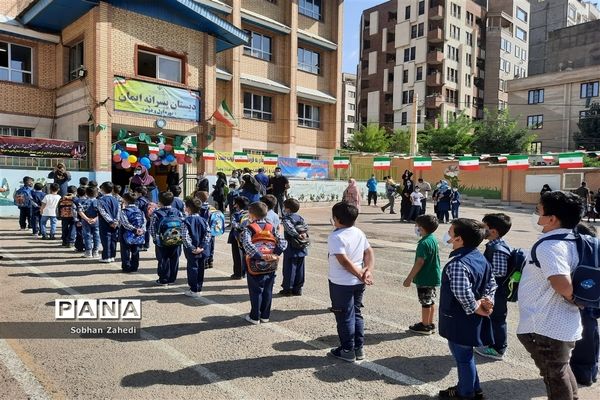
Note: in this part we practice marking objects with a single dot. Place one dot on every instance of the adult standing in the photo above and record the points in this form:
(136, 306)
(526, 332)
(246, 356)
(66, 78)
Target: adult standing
(218, 193)
(62, 177)
(202, 183)
(406, 204)
(443, 205)
(583, 192)
(250, 188)
(372, 188)
(234, 179)
(279, 185)
(455, 202)
(390, 193)
(352, 194)
(545, 188)
(425, 190)
(142, 178)
(172, 176)
(263, 179)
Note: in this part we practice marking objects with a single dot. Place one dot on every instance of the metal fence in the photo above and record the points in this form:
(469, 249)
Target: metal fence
(43, 163)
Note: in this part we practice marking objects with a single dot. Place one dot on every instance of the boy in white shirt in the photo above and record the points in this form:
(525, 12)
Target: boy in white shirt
(416, 199)
(48, 211)
(351, 261)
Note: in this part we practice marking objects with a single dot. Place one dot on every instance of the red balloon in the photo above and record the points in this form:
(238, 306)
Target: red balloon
(188, 159)
(117, 158)
(168, 148)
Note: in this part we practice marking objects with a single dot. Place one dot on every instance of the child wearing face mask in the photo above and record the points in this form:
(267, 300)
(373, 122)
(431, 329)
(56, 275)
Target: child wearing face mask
(425, 273)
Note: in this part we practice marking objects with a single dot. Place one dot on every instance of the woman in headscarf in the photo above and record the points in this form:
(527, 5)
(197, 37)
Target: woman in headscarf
(443, 205)
(545, 188)
(250, 188)
(172, 176)
(352, 194)
(235, 178)
(405, 203)
(62, 177)
(141, 177)
(218, 193)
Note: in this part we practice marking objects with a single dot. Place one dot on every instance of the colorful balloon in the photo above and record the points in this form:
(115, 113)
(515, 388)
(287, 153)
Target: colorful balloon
(165, 162)
(180, 160)
(153, 157)
(161, 146)
(117, 158)
(188, 159)
(124, 155)
(126, 164)
(161, 153)
(157, 162)
(145, 161)
(168, 147)
(132, 159)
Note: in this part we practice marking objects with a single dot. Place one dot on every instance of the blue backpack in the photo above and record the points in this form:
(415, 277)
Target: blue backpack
(23, 198)
(135, 218)
(517, 259)
(170, 229)
(585, 277)
(215, 219)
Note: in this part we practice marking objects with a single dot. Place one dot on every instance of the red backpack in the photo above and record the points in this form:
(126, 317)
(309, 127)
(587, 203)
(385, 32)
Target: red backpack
(266, 242)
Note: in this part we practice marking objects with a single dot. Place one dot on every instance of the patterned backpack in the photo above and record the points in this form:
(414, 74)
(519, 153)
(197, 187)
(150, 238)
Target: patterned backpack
(266, 242)
(135, 218)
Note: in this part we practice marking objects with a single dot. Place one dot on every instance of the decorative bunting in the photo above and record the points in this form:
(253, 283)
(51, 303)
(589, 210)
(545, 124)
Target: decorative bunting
(570, 160)
(502, 159)
(468, 163)
(131, 146)
(153, 148)
(208, 154)
(240, 157)
(179, 151)
(421, 163)
(518, 162)
(304, 161)
(381, 163)
(341, 162)
(548, 158)
(270, 159)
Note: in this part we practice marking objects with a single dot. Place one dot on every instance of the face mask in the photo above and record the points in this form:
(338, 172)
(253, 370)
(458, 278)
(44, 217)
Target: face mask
(534, 222)
(447, 240)
(277, 173)
(417, 231)
(137, 173)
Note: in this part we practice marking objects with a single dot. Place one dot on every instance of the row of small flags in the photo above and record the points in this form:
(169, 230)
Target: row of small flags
(465, 163)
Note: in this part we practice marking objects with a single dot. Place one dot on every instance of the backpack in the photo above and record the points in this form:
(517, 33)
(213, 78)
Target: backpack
(170, 230)
(22, 198)
(65, 207)
(585, 277)
(135, 218)
(299, 242)
(265, 241)
(215, 219)
(517, 259)
(150, 208)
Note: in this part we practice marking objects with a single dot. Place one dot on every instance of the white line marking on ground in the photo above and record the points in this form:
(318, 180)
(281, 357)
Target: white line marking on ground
(19, 371)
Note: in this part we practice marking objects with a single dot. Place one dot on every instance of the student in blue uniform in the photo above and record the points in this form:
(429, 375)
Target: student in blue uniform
(177, 202)
(196, 240)
(110, 213)
(133, 229)
(37, 195)
(166, 232)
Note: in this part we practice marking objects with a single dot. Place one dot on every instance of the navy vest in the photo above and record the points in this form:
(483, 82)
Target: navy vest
(454, 324)
(178, 204)
(290, 250)
(198, 232)
(111, 205)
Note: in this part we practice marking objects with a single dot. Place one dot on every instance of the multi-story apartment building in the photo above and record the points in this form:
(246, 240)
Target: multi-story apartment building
(552, 104)
(432, 56)
(275, 63)
(349, 107)
(550, 15)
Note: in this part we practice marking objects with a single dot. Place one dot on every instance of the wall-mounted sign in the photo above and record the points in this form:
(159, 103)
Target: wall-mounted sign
(149, 98)
(39, 147)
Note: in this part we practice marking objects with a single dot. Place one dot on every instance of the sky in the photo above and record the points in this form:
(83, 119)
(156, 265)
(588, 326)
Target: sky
(352, 12)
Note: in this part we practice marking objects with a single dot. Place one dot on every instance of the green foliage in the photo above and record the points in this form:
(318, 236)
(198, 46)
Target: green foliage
(400, 141)
(588, 136)
(486, 193)
(370, 139)
(452, 138)
(499, 133)
(591, 162)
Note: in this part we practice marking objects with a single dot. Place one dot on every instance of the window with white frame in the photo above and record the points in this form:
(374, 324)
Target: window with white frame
(535, 122)
(455, 10)
(408, 96)
(521, 14)
(257, 106)
(155, 65)
(454, 32)
(259, 46)
(453, 53)
(309, 116)
(469, 39)
(505, 45)
(309, 61)
(520, 34)
(468, 80)
(410, 54)
(311, 8)
(352, 95)
(451, 75)
(15, 63)
(505, 65)
(589, 89)
(75, 60)
(404, 118)
(13, 131)
(535, 96)
(421, 7)
(470, 18)
(469, 60)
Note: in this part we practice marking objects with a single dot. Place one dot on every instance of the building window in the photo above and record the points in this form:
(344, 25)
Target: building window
(391, 37)
(535, 121)
(352, 95)
(418, 116)
(309, 116)
(521, 14)
(470, 18)
(451, 75)
(15, 63)
(390, 57)
(260, 46)
(407, 12)
(351, 118)
(505, 65)
(309, 61)
(419, 74)
(454, 32)
(388, 98)
(469, 38)
(589, 89)
(12, 131)
(410, 54)
(404, 118)
(417, 30)
(520, 72)
(366, 44)
(364, 84)
(405, 76)
(469, 60)
(159, 66)
(505, 45)
(520, 34)
(310, 8)
(408, 96)
(572, 12)
(257, 106)
(502, 85)
(535, 148)
(390, 77)
(455, 10)
(392, 16)
(350, 131)
(453, 53)
(535, 96)
(75, 61)
(468, 80)
(452, 96)
(351, 106)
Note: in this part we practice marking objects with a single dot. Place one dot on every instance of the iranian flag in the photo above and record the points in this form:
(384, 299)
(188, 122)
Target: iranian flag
(548, 158)
(341, 162)
(570, 160)
(468, 163)
(131, 146)
(208, 154)
(382, 163)
(421, 163)
(153, 148)
(303, 161)
(179, 151)
(502, 159)
(270, 159)
(223, 114)
(518, 162)
(240, 157)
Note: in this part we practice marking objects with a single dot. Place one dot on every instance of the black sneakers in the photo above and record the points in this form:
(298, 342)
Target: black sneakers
(422, 329)
(452, 393)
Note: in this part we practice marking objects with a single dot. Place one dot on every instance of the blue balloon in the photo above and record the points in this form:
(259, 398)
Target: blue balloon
(145, 161)
(124, 155)
(170, 158)
(161, 153)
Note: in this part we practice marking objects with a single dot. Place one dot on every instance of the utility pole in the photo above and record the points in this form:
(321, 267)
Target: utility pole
(413, 127)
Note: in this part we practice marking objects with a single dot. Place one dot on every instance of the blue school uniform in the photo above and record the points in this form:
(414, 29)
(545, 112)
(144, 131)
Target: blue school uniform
(36, 217)
(196, 234)
(293, 258)
(109, 209)
(178, 204)
(142, 203)
(167, 257)
(91, 232)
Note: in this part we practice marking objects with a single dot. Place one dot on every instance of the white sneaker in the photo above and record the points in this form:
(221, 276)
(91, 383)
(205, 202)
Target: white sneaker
(264, 320)
(104, 261)
(189, 293)
(87, 255)
(252, 321)
(96, 254)
(111, 260)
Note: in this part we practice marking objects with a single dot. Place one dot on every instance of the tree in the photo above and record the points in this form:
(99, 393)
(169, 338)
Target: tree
(369, 139)
(400, 141)
(452, 138)
(499, 133)
(588, 136)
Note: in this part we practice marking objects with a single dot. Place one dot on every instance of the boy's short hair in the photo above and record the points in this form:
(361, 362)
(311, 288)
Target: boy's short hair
(193, 204)
(83, 181)
(93, 183)
(175, 189)
(202, 195)
(81, 191)
(292, 204)
(498, 221)
(128, 198)
(54, 187)
(117, 189)
(72, 189)
(27, 179)
(141, 190)
(91, 192)
(38, 186)
(166, 198)
(471, 231)
(242, 202)
(232, 185)
(107, 187)
(345, 213)
(427, 222)
(565, 206)
(258, 209)
(269, 200)
(586, 229)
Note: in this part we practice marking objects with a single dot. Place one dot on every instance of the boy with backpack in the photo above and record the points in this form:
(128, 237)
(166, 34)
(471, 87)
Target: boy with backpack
(216, 224)
(272, 217)
(239, 217)
(79, 243)
(166, 228)
(196, 239)
(295, 232)
(263, 245)
(133, 230)
(48, 211)
(37, 195)
(425, 273)
(66, 214)
(22, 200)
(231, 196)
(147, 207)
(88, 214)
(177, 202)
(109, 210)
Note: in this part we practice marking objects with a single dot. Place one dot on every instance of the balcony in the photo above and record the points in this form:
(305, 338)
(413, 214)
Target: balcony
(436, 13)
(479, 83)
(434, 101)
(434, 80)
(435, 57)
(435, 35)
